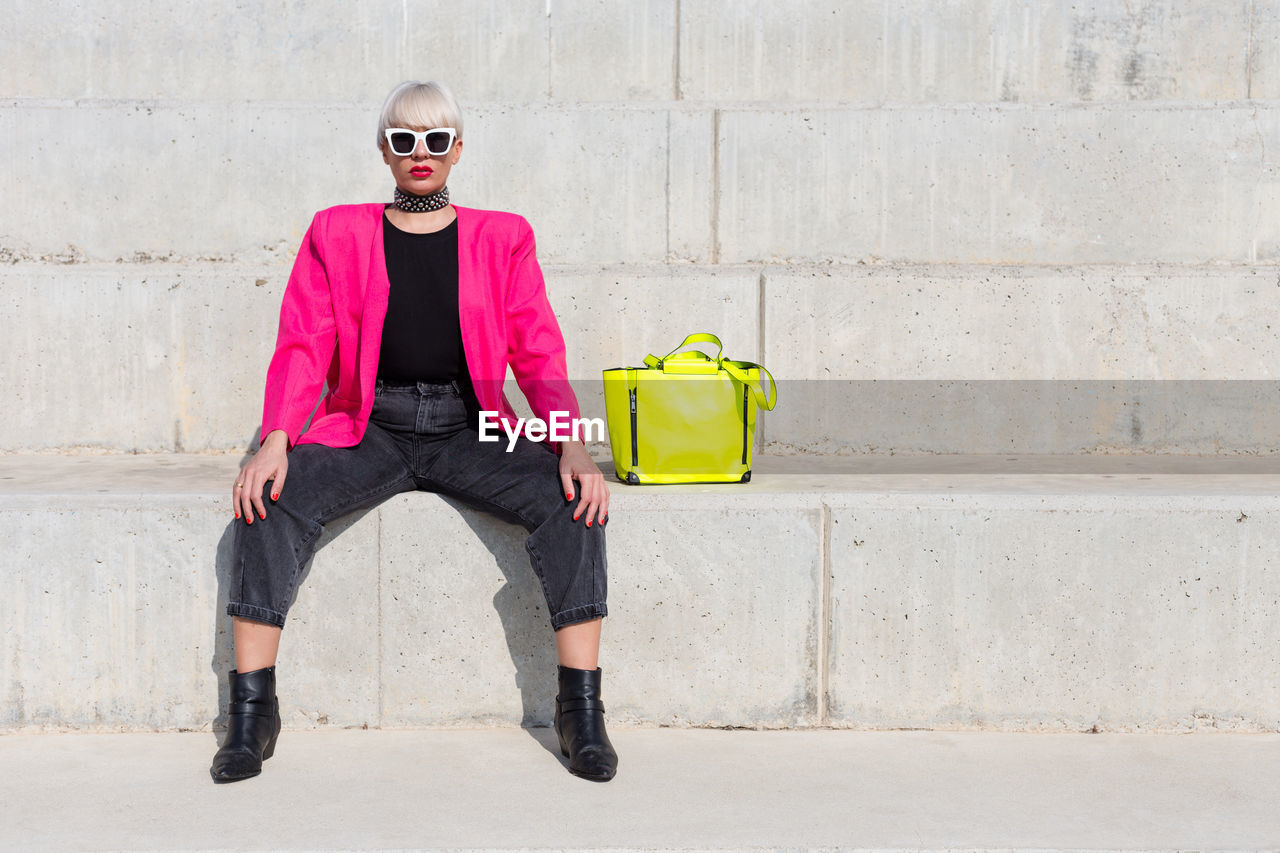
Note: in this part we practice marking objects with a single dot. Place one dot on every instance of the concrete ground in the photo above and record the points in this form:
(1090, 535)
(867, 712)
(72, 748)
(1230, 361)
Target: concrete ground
(675, 788)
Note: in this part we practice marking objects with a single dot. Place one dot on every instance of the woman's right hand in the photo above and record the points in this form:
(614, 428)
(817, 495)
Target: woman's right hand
(270, 463)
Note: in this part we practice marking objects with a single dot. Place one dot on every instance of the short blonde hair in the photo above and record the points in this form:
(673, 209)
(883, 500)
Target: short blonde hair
(426, 105)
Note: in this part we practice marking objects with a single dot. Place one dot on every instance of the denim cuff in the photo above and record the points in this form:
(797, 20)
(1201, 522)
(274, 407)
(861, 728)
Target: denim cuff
(250, 611)
(585, 613)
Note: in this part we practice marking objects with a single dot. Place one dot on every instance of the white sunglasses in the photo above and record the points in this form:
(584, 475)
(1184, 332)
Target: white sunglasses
(404, 142)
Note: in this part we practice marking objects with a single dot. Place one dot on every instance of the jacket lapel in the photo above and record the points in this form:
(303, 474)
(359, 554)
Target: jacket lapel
(469, 303)
(473, 311)
(474, 343)
(377, 293)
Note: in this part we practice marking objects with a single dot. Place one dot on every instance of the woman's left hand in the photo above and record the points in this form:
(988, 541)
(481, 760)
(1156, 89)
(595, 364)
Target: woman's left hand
(576, 464)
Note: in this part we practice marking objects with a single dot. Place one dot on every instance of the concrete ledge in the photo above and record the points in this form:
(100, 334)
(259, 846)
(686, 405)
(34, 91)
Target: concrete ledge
(1027, 594)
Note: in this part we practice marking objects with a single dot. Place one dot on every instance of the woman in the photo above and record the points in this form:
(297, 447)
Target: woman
(411, 312)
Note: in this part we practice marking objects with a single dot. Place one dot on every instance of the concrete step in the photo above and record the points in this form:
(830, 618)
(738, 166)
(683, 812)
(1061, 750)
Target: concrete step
(697, 50)
(954, 183)
(1007, 593)
(1165, 358)
(674, 790)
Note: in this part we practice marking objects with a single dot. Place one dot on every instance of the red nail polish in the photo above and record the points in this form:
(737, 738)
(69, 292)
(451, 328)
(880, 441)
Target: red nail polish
(277, 494)
(260, 515)
(237, 515)
(568, 497)
(588, 524)
(249, 520)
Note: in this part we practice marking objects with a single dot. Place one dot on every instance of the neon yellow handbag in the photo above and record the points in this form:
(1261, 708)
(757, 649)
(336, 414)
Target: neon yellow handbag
(685, 417)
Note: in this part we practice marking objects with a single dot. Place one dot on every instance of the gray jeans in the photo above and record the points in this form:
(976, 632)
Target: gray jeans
(420, 436)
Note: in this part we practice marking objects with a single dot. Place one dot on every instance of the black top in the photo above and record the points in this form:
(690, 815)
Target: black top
(421, 335)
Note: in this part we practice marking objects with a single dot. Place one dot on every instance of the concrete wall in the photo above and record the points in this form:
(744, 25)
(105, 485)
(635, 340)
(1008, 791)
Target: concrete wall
(947, 227)
(993, 359)
(977, 191)
(961, 598)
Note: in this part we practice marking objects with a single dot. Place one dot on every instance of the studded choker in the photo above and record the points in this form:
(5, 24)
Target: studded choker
(411, 203)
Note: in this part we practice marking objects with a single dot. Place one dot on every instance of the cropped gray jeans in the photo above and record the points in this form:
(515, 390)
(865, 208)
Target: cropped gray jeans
(420, 436)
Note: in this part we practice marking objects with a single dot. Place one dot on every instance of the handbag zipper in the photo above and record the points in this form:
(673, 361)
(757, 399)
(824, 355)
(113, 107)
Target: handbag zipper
(745, 391)
(631, 392)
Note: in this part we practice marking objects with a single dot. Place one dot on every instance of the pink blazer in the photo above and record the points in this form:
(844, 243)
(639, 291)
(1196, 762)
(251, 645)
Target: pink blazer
(336, 299)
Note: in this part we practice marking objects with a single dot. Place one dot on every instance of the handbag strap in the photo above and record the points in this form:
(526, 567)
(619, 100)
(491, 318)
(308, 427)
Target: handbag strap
(736, 369)
(696, 338)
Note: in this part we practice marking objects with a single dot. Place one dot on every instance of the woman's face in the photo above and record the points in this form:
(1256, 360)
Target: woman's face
(421, 172)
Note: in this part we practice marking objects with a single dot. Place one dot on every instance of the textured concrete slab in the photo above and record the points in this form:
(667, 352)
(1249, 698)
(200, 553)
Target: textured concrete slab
(554, 163)
(1264, 51)
(466, 635)
(612, 51)
(1124, 417)
(106, 613)
(591, 179)
(1038, 359)
(687, 790)
(1123, 592)
(691, 189)
(172, 357)
(1005, 184)
(864, 50)
(1001, 183)
(185, 50)
(1124, 612)
(116, 613)
(732, 604)
(615, 315)
(1037, 323)
(1044, 359)
(444, 577)
(416, 612)
(921, 51)
(165, 356)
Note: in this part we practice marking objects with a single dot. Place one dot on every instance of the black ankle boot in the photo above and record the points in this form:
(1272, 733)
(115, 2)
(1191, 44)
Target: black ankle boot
(580, 725)
(253, 724)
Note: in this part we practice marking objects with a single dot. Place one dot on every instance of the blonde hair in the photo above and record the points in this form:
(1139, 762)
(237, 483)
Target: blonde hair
(427, 105)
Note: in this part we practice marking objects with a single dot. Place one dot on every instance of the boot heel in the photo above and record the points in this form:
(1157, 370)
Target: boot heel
(271, 747)
(564, 748)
